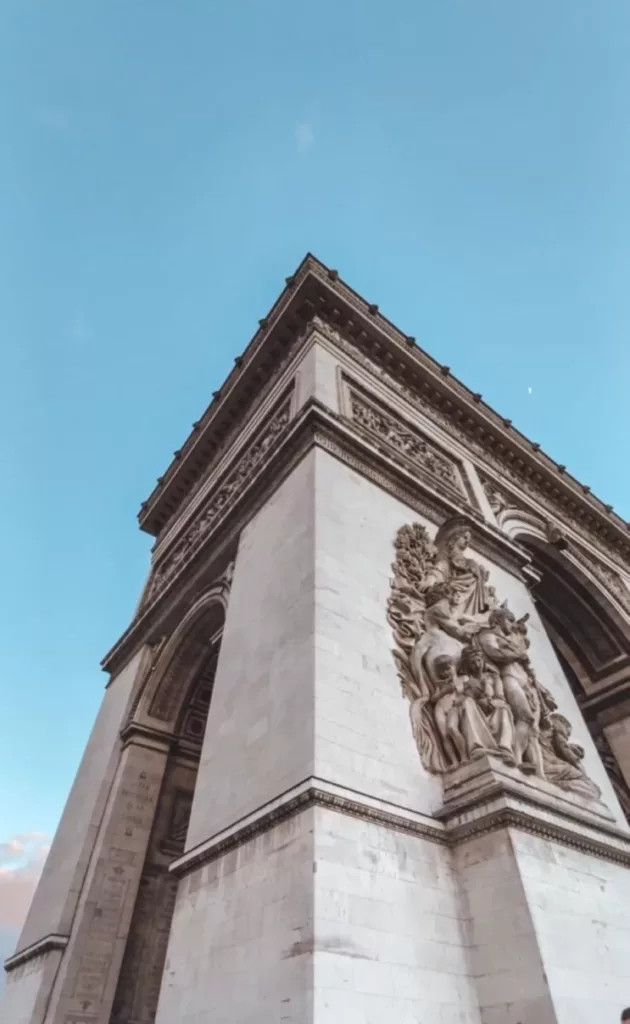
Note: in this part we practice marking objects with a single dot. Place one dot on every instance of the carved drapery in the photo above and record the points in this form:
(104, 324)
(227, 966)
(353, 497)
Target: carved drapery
(464, 665)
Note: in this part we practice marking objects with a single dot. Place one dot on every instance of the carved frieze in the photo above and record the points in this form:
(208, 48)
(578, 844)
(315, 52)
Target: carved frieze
(220, 501)
(610, 580)
(464, 665)
(405, 442)
(467, 431)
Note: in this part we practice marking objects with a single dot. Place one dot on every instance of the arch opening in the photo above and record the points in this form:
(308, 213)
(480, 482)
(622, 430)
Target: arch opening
(590, 640)
(179, 693)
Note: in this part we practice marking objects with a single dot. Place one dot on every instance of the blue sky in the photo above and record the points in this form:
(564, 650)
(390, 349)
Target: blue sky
(164, 166)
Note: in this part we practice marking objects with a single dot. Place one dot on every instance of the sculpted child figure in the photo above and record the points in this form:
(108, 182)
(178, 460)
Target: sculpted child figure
(486, 686)
(459, 721)
(503, 641)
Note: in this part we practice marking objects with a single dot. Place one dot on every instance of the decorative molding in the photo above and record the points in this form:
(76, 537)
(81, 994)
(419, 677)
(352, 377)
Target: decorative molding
(255, 373)
(241, 474)
(377, 467)
(614, 845)
(49, 944)
(404, 441)
(501, 501)
(314, 426)
(610, 579)
(509, 817)
(609, 761)
(483, 441)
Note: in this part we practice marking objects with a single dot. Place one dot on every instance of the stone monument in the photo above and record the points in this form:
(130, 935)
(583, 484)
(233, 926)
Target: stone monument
(364, 750)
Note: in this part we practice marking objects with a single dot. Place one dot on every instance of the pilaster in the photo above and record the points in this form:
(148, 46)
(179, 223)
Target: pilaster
(86, 982)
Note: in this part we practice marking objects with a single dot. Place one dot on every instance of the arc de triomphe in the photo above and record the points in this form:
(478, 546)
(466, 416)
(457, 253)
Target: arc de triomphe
(364, 751)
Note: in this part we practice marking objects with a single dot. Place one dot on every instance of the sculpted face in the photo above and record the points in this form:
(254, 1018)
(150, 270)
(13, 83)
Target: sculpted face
(443, 669)
(460, 542)
(474, 662)
(509, 622)
(504, 619)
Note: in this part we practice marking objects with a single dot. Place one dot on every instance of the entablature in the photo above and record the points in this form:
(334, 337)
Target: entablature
(357, 326)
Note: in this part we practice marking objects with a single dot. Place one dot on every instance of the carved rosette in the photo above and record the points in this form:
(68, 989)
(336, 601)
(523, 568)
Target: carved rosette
(464, 666)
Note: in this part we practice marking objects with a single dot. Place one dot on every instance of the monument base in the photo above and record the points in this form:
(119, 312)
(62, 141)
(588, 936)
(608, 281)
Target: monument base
(545, 880)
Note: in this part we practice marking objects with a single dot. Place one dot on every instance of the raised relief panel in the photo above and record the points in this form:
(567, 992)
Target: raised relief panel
(221, 499)
(405, 443)
(464, 666)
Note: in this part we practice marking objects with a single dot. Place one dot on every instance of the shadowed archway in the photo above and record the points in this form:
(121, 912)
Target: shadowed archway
(586, 615)
(174, 704)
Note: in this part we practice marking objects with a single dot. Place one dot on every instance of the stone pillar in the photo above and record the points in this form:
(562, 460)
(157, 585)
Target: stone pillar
(33, 968)
(545, 877)
(245, 900)
(86, 982)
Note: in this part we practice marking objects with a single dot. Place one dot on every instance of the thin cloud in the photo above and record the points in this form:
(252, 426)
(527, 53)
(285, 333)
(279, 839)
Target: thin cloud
(304, 138)
(21, 861)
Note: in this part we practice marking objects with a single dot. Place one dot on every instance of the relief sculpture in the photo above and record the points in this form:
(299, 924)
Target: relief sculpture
(463, 661)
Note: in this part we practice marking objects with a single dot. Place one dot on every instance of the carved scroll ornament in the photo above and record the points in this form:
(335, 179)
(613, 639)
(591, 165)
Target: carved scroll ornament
(464, 666)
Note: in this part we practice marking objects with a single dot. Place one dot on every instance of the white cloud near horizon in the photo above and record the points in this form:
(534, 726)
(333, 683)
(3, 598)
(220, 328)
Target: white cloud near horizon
(304, 137)
(21, 861)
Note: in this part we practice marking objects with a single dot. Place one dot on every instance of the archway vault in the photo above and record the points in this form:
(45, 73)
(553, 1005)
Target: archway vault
(586, 615)
(174, 701)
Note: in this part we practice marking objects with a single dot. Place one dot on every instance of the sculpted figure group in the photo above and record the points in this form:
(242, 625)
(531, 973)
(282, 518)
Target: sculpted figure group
(463, 661)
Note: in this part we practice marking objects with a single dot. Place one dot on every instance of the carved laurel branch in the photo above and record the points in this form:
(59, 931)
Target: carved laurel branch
(415, 552)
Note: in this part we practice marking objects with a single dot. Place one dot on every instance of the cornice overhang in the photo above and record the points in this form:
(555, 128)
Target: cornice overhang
(314, 426)
(315, 290)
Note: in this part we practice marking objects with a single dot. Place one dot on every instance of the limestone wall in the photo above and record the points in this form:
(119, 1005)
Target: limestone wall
(391, 931)
(259, 736)
(242, 934)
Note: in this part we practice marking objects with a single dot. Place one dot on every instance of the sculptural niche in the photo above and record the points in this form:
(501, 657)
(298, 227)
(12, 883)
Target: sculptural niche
(463, 662)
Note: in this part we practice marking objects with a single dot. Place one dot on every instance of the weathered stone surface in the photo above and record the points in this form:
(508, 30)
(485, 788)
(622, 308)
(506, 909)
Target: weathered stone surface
(334, 860)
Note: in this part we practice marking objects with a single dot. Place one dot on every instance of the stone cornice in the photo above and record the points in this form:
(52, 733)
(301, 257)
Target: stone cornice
(315, 289)
(311, 792)
(314, 426)
(42, 947)
(499, 810)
